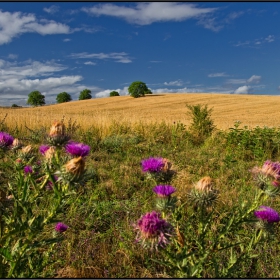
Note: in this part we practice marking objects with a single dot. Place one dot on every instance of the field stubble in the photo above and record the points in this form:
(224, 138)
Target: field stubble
(250, 110)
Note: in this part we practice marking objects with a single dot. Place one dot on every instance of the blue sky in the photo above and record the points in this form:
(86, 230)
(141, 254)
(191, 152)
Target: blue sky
(174, 47)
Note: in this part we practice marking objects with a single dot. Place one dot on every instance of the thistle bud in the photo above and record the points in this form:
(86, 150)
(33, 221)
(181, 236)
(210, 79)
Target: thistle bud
(57, 136)
(27, 149)
(49, 154)
(205, 184)
(16, 144)
(57, 128)
(76, 166)
(166, 165)
(203, 194)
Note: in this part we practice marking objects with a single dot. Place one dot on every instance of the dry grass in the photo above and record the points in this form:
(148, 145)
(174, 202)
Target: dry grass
(251, 110)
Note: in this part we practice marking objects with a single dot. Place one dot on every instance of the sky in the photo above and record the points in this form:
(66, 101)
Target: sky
(173, 47)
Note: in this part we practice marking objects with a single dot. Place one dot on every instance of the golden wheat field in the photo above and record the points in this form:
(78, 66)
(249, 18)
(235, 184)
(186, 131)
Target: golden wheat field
(251, 110)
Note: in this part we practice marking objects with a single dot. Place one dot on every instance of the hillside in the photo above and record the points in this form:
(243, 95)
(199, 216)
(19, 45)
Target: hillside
(251, 110)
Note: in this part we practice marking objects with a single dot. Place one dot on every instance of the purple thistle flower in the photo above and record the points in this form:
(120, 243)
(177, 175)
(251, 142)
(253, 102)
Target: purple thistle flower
(271, 168)
(27, 169)
(77, 149)
(5, 139)
(164, 190)
(60, 227)
(151, 228)
(268, 214)
(43, 149)
(152, 164)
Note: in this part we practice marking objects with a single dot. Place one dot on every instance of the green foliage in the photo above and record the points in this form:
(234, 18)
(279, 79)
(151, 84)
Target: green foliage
(114, 93)
(215, 236)
(202, 125)
(138, 89)
(63, 97)
(36, 98)
(15, 106)
(85, 94)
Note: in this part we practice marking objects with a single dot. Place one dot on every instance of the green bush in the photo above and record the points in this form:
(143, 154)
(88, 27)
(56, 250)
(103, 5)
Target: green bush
(137, 89)
(114, 93)
(202, 125)
(63, 97)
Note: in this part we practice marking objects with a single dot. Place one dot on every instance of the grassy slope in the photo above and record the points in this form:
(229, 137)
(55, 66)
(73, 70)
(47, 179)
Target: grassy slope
(251, 110)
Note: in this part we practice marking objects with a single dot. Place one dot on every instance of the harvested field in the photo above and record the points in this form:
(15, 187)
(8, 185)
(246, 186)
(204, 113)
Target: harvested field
(251, 110)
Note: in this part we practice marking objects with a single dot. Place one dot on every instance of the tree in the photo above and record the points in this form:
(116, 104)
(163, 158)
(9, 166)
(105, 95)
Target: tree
(148, 92)
(36, 98)
(114, 93)
(137, 89)
(63, 97)
(85, 94)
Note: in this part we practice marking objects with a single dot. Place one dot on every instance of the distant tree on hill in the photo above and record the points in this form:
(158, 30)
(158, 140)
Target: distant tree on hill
(85, 94)
(138, 89)
(15, 106)
(36, 98)
(63, 97)
(114, 93)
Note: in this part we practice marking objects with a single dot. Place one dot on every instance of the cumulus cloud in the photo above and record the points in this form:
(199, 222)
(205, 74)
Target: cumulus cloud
(52, 9)
(174, 83)
(270, 38)
(18, 79)
(178, 90)
(66, 40)
(106, 93)
(214, 75)
(89, 63)
(12, 56)
(121, 57)
(14, 24)
(243, 90)
(150, 12)
(254, 79)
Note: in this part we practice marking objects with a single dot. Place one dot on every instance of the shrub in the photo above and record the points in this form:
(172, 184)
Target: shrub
(63, 97)
(138, 89)
(85, 94)
(202, 125)
(114, 93)
(36, 98)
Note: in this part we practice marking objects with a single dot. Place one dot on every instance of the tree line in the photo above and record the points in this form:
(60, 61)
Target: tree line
(36, 98)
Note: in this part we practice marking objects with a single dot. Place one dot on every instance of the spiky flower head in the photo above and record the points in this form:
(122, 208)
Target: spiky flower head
(153, 232)
(204, 194)
(205, 184)
(57, 129)
(164, 191)
(152, 164)
(57, 136)
(61, 227)
(43, 149)
(5, 140)
(267, 214)
(166, 165)
(75, 166)
(49, 154)
(267, 178)
(77, 149)
(16, 144)
(27, 169)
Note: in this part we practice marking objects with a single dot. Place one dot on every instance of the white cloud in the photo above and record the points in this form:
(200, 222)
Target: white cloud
(89, 63)
(174, 83)
(178, 90)
(270, 38)
(243, 90)
(52, 9)
(254, 79)
(106, 93)
(234, 15)
(12, 56)
(66, 40)
(121, 57)
(14, 24)
(214, 75)
(236, 81)
(210, 23)
(18, 79)
(150, 12)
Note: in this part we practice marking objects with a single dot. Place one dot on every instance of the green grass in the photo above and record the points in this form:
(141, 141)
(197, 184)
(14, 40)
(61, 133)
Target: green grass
(100, 241)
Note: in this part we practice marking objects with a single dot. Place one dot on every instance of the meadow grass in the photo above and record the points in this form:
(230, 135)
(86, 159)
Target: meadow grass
(100, 241)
